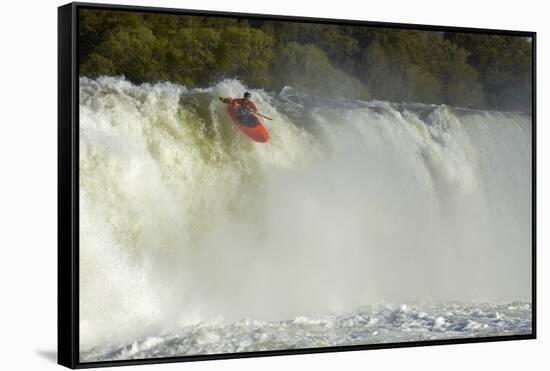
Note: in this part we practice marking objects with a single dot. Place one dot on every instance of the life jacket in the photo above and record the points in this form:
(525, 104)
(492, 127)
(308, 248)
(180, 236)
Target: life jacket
(242, 101)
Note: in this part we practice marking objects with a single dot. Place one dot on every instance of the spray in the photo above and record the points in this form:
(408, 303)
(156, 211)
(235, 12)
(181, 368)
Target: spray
(184, 220)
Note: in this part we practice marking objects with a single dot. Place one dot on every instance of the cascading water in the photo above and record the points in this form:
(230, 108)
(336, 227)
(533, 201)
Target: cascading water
(186, 223)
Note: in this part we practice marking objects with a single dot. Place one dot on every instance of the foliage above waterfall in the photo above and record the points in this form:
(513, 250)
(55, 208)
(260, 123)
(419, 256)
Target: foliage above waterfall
(472, 70)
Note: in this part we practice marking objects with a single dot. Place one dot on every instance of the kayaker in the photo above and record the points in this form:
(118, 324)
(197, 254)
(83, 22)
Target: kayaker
(245, 105)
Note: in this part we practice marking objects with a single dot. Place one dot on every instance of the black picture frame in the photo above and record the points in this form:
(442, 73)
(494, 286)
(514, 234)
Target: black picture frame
(68, 186)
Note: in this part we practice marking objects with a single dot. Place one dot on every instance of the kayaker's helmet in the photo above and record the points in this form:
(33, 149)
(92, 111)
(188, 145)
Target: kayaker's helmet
(247, 95)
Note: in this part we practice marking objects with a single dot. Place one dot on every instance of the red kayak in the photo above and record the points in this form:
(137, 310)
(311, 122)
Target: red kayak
(249, 124)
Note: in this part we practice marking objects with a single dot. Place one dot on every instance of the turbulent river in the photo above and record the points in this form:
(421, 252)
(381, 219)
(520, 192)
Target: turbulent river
(359, 222)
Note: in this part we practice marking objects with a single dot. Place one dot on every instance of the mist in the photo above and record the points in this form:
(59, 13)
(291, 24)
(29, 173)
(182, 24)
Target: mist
(183, 220)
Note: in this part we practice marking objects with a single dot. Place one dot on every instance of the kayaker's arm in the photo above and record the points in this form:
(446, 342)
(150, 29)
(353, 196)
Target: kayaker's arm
(226, 100)
(250, 106)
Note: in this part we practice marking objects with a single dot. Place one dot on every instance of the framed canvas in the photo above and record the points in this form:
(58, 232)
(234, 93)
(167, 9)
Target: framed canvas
(237, 185)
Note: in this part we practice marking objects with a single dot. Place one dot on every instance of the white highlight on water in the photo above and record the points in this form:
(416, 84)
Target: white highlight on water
(183, 219)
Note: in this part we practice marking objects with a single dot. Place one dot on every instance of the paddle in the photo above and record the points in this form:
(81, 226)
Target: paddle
(222, 99)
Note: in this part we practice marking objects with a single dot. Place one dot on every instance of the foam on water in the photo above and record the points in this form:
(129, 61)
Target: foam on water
(185, 221)
(369, 325)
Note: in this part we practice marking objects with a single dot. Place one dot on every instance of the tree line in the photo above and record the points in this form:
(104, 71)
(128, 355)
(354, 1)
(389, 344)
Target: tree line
(459, 69)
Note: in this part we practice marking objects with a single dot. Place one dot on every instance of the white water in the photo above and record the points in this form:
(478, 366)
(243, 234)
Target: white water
(368, 325)
(183, 219)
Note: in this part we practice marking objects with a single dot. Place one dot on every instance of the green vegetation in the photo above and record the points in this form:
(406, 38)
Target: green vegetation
(470, 70)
